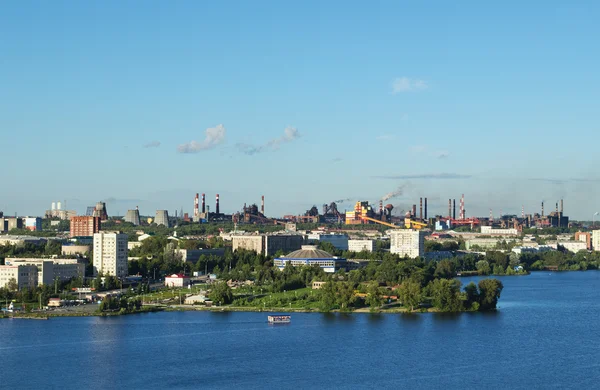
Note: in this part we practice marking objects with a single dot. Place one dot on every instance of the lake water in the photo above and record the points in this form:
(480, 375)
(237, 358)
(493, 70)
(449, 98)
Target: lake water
(544, 335)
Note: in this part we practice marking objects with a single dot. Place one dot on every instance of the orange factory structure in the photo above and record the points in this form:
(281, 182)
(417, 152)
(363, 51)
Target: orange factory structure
(363, 213)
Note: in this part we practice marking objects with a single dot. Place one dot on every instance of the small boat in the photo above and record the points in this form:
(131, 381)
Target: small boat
(279, 319)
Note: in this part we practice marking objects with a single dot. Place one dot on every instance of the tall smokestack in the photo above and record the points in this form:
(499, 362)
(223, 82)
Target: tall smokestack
(217, 201)
(425, 208)
(203, 204)
(449, 208)
(557, 208)
(462, 207)
(561, 206)
(380, 207)
(196, 206)
(414, 211)
(542, 208)
(262, 205)
(454, 209)
(421, 208)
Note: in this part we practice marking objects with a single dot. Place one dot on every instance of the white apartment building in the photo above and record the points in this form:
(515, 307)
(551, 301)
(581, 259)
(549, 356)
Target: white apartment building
(110, 254)
(500, 232)
(50, 270)
(26, 276)
(596, 240)
(360, 245)
(573, 246)
(407, 242)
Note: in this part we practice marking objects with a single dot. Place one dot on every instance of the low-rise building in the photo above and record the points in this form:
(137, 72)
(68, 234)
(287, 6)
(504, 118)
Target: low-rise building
(573, 246)
(309, 255)
(177, 280)
(72, 250)
(360, 245)
(519, 250)
(21, 240)
(25, 276)
(50, 270)
(488, 230)
(267, 244)
(193, 255)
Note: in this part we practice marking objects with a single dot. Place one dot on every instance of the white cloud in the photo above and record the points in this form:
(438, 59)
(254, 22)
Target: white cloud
(406, 84)
(153, 144)
(289, 134)
(213, 137)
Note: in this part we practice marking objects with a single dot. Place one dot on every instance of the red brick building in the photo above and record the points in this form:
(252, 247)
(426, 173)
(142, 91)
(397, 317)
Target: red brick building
(84, 226)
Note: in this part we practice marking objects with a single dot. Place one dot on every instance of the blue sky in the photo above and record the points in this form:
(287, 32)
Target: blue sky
(146, 103)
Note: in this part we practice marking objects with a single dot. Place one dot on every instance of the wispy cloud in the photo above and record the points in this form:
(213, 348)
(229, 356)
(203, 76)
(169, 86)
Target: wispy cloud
(424, 149)
(566, 180)
(430, 176)
(442, 154)
(213, 137)
(385, 137)
(337, 159)
(153, 144)
(406, 84)
(289, 134)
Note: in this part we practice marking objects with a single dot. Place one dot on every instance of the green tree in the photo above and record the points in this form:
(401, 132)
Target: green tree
(409, 293)
(328, 296)
(471, 297)
(221, 293)
(483, 267)
(445, 269)
(374, 295)
(489, 293)
(12, 285)
(445, 295)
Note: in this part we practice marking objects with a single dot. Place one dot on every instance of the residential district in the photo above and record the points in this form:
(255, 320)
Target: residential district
(368, 257)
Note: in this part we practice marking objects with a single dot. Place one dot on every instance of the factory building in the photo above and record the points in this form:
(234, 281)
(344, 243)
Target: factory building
(266, 244)
(50, 270)
(8, 224)
(33, 223)
(26, 276)
(85, 226)
(56, 211)
(309, 255)
(162, 218)
(110, 254)
(100, 211)
(360, 245)
(133, 216)
(407, 243)
(339, 241)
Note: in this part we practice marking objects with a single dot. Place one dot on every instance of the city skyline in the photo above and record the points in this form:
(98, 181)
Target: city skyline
(304, 103)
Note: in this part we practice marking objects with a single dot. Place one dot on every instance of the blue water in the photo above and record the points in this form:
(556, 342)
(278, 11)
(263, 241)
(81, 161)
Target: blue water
(545, 335)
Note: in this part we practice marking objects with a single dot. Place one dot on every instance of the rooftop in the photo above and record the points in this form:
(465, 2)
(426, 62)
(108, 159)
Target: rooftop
(309, 252)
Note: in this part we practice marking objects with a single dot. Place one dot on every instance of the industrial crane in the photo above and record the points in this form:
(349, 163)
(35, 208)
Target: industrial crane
(411, 224)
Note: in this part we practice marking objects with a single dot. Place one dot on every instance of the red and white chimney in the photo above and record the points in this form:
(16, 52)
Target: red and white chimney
(196, 211)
